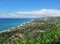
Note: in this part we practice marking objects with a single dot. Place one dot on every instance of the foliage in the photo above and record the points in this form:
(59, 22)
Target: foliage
(50, 34)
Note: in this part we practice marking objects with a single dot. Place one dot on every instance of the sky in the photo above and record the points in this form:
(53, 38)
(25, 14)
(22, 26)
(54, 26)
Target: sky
(29, 8)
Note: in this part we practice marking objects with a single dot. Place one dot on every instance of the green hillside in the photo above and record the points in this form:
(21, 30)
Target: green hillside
(39, 31)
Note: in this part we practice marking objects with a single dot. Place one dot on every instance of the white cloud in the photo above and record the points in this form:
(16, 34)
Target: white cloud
(36, 14)
(41, 12)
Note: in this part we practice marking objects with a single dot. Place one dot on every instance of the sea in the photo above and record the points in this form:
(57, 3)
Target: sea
(7, 23)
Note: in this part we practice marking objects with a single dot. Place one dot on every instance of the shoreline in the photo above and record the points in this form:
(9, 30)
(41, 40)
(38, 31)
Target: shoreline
(15, 27)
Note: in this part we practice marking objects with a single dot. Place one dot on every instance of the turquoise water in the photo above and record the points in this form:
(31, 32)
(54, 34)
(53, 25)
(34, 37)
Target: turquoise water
(7, 23)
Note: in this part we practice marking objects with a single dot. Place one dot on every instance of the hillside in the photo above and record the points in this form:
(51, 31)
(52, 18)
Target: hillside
(39, 31)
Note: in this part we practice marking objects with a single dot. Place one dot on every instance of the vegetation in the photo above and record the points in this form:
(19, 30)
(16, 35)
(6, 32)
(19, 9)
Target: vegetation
(39, 31)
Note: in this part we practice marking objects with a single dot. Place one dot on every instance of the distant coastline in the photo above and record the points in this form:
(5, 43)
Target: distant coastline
(16, 26)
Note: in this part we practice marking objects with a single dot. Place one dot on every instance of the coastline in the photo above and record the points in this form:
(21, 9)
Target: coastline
(13, 28)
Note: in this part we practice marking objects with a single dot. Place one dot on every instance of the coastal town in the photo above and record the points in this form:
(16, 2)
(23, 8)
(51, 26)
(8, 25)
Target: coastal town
(35, 31)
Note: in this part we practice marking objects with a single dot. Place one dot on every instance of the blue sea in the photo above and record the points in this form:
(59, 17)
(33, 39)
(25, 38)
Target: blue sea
(7, 23)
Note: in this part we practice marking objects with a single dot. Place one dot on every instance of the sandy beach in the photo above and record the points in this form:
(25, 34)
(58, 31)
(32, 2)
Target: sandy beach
(13, 28)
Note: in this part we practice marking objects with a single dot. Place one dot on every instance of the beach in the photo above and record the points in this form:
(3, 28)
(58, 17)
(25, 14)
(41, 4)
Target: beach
(13, 28)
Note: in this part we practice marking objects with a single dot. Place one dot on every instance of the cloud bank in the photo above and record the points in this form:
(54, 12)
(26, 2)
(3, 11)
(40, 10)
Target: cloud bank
(35, 14)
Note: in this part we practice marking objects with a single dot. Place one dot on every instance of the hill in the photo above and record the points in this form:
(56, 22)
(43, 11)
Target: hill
(39, 31)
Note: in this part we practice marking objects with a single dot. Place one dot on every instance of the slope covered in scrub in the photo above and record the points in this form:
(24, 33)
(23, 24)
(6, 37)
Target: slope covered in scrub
(39, 31)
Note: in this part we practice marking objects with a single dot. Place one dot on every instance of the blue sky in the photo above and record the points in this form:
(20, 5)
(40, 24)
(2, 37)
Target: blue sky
(10, 8)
